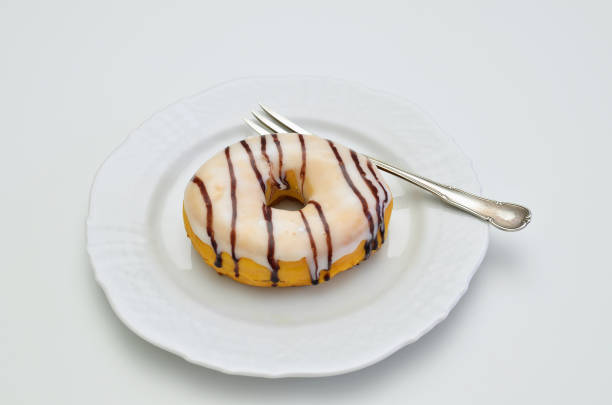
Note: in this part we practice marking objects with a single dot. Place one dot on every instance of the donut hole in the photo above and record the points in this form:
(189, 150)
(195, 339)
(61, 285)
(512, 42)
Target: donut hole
(288, 204)
(288, 197)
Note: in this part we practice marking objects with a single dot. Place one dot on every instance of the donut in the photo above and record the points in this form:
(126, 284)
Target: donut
(230, 218)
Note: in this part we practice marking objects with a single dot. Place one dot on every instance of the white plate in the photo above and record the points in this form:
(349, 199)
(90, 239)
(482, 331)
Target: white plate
(161, 289)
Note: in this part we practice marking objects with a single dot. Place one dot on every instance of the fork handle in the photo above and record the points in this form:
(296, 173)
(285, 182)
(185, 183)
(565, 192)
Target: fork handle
(503, 215)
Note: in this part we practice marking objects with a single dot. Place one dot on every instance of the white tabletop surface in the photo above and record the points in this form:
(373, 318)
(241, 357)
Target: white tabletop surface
(524, 87)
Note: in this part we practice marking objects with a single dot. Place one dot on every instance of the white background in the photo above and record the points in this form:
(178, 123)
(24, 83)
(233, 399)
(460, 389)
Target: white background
(524, 87)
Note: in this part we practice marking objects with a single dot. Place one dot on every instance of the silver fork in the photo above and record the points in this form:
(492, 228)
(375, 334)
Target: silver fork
(503, 215)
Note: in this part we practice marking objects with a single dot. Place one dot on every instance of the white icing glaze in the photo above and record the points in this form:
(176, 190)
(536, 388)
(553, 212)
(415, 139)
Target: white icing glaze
(323, 182)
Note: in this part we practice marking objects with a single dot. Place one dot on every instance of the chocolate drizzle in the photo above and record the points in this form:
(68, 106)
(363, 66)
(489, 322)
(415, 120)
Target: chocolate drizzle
(327, 232)
(303, 168)
(314, 280)
(264, 153)
(267, 213)
(209, 219)
(364, 205)
(374, 191)
(280, 161)
(230, 167)
(254, 166)
(382, 222)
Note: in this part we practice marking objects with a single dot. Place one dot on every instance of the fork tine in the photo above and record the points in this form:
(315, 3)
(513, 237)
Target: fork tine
(256, 127)
(287, 123)
(274, 127)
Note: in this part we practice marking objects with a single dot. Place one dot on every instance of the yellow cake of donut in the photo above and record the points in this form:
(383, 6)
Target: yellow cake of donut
(230, 196)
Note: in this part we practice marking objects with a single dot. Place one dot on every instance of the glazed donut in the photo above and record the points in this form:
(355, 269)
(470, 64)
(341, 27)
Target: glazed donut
(230, 220)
